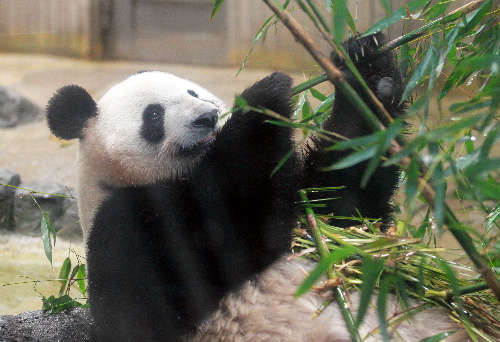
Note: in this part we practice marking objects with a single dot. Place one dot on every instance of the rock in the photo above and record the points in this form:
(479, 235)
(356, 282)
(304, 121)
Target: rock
(69, 325)
(55, 200)
(7, 198)
(16, 109)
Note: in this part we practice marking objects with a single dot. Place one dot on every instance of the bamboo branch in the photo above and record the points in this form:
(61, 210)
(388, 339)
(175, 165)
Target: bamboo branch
(452, 16)
(336, 77)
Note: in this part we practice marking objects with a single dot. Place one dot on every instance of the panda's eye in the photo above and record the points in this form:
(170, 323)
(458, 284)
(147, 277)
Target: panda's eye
(192, 93)
(152, 129)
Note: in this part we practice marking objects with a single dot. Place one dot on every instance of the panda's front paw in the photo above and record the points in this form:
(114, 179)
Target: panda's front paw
(272, 92)
(378, 68)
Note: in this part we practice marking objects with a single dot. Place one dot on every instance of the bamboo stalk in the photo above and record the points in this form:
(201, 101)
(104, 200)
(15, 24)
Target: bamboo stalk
(336, 77)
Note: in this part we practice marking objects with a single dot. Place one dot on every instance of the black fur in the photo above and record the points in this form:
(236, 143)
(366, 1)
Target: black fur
(152, 129)
(161, 257)
(68, 111)
(380, 73)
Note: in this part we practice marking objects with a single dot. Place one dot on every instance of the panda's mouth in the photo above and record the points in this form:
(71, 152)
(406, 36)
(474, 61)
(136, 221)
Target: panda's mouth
(198, 148)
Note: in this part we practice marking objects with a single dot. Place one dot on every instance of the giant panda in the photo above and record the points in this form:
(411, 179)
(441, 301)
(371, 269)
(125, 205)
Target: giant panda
(188, 230)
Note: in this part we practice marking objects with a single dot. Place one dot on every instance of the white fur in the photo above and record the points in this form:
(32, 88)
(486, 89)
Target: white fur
(113, 151)
(266, 310)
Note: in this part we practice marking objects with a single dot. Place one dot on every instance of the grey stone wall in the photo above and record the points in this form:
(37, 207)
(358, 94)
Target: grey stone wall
(22, 206)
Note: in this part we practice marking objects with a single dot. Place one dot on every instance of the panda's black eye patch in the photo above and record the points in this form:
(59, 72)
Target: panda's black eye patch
(152, 129)
(193, 93)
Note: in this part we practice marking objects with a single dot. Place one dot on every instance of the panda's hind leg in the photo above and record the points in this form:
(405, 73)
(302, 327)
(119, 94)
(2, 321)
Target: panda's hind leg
(381, 73)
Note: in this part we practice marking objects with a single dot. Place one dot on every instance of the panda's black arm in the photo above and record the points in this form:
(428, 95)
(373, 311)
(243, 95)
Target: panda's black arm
(238, 172)
(382, 75)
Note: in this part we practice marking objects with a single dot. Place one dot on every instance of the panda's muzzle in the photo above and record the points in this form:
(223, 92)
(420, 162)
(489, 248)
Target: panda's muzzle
(206, 120)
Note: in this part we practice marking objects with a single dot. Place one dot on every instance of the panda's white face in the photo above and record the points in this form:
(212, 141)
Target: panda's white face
(155, 125)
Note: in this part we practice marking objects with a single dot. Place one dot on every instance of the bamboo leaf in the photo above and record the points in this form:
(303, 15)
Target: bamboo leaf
(353, 159)
(260, 35)
(351, 143)
(45, 228)
(385, 140)
(317, 95)
(371, 270)
(438, 338)
(382, 306)
(412, 182)
(64, 274)
(396, 16)
(215, 8)
(340, 14)
(493, 216)
(439, 184)
(81, 275)
(334, 258)
(283, 161)
(490, 140)
(419, 73)
(482, 166)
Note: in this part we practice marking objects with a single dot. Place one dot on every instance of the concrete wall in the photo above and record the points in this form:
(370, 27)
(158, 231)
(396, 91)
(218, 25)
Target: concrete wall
(51, 26)
(175, 31)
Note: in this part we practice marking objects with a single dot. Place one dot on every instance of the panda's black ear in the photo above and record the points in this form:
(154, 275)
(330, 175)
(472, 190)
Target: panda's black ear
(68, 111)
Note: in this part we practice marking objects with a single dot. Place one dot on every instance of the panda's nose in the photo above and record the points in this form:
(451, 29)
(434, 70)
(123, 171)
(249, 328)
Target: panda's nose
(206, 120)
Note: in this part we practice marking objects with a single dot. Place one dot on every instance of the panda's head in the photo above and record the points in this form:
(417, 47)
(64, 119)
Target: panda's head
(151, 126)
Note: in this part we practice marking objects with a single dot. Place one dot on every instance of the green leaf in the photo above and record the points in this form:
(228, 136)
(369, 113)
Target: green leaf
(298, 107)
(334, 257)
(382, 306)
(412, 182)
(371, 270)
(46, 230)
(492, 217)
(439, 184)
(438, 338)
(419, 73)
(401, 288)
(437, 10)
(215, 8)
(64, 274)
(473, 18)
(489, 189)
(240, 102)
(81, 275)
(56, 305)
(353, 159)
(385, 140)
(260, 35)
(483, 62)
(490, 140)
(317, 94)
(482, 166)
(396, 16)
(340, 13)
(450, 275)
(283, 161)
(352, 143)
(415, 145)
